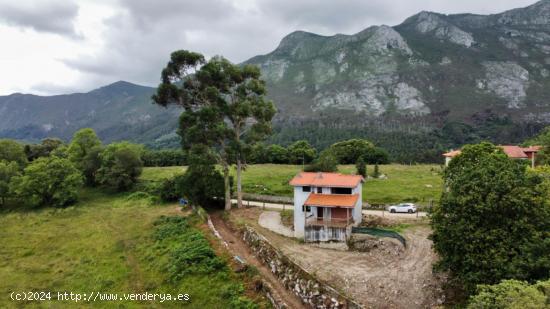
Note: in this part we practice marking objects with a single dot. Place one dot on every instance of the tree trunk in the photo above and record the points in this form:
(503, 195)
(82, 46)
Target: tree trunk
(226, 186)
(239, 184)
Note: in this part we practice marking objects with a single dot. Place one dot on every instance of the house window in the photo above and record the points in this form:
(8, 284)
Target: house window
(306, 208)
(319, 190)
(306, 189)
(340, 190)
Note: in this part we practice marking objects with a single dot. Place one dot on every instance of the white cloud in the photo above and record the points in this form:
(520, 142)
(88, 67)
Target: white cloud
(132, 39)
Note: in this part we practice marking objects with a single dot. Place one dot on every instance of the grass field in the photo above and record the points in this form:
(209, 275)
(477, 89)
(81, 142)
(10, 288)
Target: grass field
(404, 183)
(103, 244)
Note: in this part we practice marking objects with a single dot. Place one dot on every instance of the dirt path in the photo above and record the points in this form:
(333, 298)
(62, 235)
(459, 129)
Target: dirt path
(237, 247)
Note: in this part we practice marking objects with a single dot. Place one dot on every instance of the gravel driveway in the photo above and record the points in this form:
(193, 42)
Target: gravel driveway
(271, 220)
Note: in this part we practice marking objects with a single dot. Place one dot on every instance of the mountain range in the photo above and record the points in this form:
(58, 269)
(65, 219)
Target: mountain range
(433, 82)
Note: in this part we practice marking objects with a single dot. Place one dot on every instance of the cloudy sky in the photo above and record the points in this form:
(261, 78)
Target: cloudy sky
(53, 47)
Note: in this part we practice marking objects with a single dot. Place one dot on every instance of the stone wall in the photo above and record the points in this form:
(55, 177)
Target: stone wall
(314, 293)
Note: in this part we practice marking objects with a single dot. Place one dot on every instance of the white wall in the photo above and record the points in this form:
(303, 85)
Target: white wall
(300, 198)
(357, 210)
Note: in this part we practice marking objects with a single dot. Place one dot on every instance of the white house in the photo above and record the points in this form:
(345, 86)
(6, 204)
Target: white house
(326, 205)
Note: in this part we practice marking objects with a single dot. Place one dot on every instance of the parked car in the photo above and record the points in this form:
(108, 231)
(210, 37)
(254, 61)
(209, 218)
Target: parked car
(403, 207)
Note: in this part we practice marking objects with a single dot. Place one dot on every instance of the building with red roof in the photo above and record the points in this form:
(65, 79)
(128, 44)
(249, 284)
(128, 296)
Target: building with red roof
(326, 205)
(513, 152)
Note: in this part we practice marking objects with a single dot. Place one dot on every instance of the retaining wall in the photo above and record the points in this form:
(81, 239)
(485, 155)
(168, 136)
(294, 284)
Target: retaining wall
(310, 290)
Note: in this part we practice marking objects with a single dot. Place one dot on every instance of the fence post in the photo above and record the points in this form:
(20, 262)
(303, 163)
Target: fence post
(284, 206)
(263, 206)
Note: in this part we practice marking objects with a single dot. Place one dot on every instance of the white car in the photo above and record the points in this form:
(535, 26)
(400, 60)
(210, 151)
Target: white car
(403, 207)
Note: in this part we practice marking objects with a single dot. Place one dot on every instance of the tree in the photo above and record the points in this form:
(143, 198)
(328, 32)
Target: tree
(201, 184)
(258, 154)
(325, 163)
(376, 155)
(121, 165)
(48, 181)
(84, 140)
(44, 149)
(301, 152)
(493, 217)
(11, 150)
(224, 107)
(361, 167)
(8, 170)
(348, 152)
(277, 154)
(90, 165)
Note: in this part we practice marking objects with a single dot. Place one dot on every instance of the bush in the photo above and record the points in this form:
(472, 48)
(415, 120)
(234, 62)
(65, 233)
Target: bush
(166, 157)
(512, 294)
(192, 253)
(202, 185)
(348, 152)
(44, 149)
(12, 151)
(325, 163)
(168, 190)
(120, 166)
(301, 152)
(8, 170)
(48, 181)
(277, 154)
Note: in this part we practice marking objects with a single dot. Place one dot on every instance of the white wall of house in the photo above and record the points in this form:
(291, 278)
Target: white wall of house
(358, 209)
(300, 198)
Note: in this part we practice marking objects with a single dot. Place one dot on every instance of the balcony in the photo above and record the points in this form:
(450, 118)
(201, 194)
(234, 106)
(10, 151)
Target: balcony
(332, 222)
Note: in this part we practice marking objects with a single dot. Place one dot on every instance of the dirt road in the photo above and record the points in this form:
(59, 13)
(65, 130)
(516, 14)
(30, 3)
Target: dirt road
(381, 213)
(237, 247)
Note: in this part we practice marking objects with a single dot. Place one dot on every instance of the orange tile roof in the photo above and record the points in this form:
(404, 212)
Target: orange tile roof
(532, 149)
(513, 152)
(332, 200)
(452, 154)
(326, 180)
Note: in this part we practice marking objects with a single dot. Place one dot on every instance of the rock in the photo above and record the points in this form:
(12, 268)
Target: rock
(507, 80)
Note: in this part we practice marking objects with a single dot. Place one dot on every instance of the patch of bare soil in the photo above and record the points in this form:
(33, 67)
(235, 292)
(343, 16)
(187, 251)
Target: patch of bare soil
(377, 278)
(237, 247)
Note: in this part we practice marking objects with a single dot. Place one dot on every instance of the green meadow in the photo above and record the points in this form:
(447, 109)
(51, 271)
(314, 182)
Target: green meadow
(403, 183)
(105, 243)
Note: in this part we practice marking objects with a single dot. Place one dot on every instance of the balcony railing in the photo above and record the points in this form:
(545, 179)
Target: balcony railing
(332, 222)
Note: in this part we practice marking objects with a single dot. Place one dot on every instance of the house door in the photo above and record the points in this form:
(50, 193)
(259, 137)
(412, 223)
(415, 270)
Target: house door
(320, 213)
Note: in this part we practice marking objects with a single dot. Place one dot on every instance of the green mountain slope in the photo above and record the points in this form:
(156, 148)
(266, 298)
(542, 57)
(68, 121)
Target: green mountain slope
(441, 79)
(120, 111)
